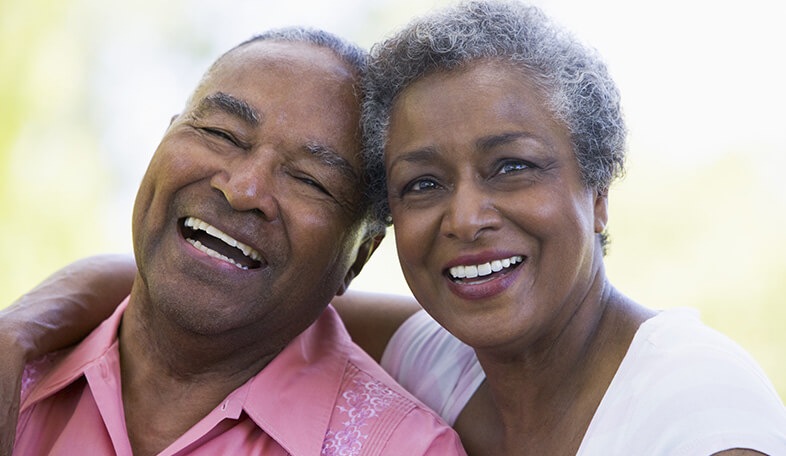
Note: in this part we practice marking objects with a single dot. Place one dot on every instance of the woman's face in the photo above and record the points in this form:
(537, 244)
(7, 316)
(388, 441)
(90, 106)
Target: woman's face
(494, 228)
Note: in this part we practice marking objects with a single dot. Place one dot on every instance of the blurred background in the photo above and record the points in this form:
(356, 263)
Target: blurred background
(87, 87)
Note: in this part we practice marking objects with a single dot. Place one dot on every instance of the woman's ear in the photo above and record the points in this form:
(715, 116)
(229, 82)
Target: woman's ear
(601, 209)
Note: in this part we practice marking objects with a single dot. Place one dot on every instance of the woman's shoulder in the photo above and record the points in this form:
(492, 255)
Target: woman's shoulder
(674, 353)
(683, 384)
(676, 339)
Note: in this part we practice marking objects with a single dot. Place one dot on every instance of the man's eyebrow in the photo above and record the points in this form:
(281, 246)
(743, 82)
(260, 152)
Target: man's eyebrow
(328, 156)
(228, 104)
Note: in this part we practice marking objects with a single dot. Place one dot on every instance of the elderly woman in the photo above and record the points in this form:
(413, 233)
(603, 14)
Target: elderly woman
(493, 137)
(500, 135)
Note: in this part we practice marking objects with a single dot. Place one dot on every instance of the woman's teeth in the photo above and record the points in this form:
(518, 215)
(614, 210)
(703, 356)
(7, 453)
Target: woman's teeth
(480, 270)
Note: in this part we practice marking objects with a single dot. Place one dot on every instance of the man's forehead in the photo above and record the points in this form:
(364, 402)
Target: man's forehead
(296, 69)
(294, 56)
(306, 88)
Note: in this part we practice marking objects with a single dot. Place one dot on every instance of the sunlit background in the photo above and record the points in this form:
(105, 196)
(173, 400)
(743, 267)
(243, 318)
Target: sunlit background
(87, 87)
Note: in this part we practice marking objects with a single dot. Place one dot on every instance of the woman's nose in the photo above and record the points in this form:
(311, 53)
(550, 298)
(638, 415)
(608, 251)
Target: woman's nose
(469, 213)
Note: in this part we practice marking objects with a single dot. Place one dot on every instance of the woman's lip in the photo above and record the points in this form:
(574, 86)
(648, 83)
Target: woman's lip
(472, 271)
(484, 287)
(480, 258)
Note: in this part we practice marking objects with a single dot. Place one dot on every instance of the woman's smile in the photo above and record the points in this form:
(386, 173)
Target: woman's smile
(484, 280)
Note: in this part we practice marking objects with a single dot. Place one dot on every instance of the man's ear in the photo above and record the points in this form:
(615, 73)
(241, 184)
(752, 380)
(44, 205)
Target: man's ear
(364, 253)
(601, 210)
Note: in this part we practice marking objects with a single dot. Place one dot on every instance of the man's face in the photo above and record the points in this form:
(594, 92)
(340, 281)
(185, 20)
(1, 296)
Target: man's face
(248, 215)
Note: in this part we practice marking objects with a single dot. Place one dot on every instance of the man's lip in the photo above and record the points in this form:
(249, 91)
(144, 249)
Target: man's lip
(216, 243)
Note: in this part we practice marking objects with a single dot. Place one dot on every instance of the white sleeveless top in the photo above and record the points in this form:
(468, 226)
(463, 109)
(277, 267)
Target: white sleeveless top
(682, 388)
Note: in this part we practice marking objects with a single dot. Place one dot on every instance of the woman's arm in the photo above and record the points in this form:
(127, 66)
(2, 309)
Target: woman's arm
(55, 314)
(66, 306)
(372, 318)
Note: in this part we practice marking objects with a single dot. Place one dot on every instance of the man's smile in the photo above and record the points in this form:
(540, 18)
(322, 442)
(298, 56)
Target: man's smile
(217, 244)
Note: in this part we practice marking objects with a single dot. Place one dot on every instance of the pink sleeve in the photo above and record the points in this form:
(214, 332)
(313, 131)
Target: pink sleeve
(434, 437)
(34, 371)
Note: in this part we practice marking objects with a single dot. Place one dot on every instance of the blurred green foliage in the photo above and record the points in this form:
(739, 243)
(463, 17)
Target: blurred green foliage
(51, 176)
(705, 234)
(709, 237)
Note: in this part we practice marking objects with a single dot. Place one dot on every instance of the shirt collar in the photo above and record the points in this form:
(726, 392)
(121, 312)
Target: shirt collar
(293, 397)
(75, 361)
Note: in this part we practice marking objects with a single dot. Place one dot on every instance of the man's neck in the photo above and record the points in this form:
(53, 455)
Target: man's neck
(172, 378)
(180, 353)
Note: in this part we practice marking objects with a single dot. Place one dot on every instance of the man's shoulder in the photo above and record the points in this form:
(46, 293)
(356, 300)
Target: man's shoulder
(55, 371)
(373, 412)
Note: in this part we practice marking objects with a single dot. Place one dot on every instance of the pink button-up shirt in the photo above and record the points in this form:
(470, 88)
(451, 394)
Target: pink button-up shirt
(322, 395)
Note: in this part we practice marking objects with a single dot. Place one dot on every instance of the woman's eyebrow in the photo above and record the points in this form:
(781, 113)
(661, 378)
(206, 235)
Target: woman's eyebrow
(420, 155)
(492, 141)
(228, 104)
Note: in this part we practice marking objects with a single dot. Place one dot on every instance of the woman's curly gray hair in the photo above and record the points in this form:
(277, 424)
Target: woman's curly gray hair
(576, 82)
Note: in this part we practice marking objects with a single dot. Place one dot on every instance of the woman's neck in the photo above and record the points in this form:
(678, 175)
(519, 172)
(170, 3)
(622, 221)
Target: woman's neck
(545, 396)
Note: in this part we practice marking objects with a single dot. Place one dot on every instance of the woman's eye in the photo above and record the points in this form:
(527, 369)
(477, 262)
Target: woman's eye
(420, 185)
(512, 166)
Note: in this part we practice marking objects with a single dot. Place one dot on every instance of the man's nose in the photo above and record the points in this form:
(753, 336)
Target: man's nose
(248, 184)
(469, 212)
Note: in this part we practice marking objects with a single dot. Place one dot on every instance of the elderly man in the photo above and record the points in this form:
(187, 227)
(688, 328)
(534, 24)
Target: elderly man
(249, 219)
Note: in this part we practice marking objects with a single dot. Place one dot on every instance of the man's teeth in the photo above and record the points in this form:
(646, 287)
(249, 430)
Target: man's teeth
(480, 270)
(215, 254)
(195, 223)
